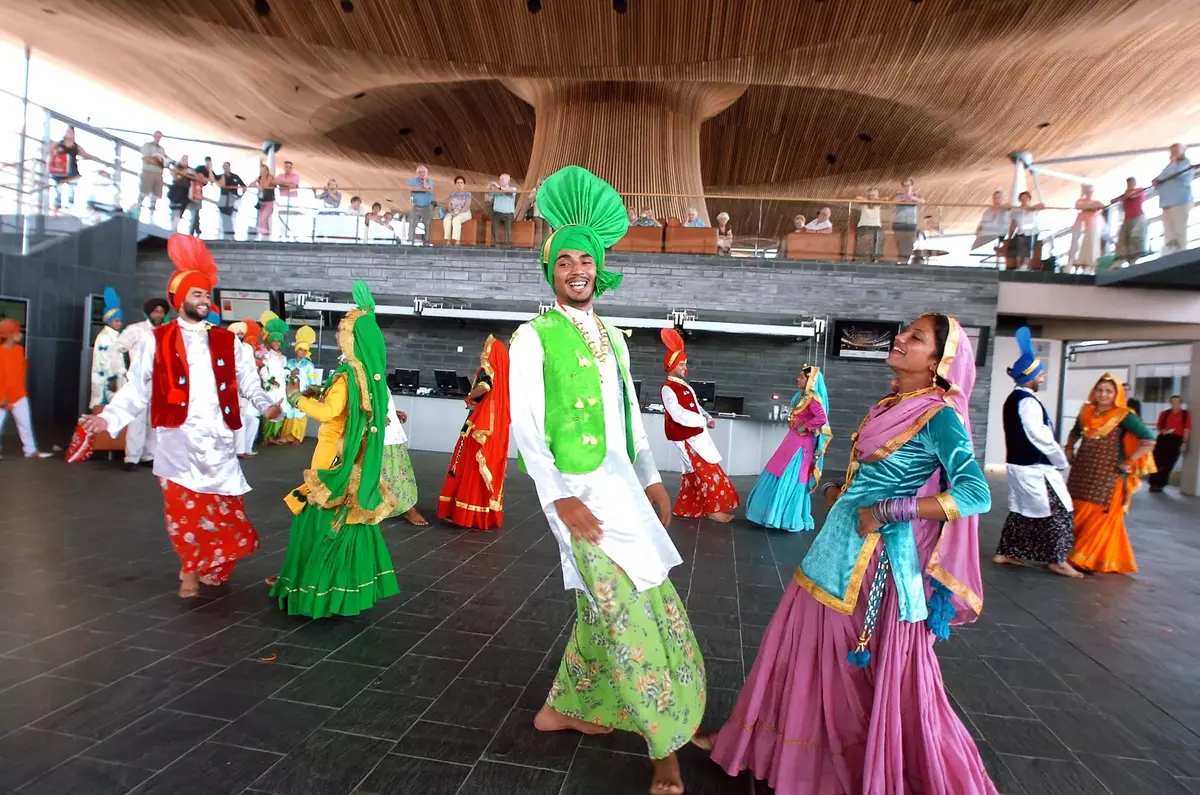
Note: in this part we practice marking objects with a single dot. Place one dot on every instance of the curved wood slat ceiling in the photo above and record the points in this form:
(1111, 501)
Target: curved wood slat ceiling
(943, 88)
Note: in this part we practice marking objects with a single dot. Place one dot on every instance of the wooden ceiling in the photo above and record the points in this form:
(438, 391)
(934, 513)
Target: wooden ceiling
(941, 89)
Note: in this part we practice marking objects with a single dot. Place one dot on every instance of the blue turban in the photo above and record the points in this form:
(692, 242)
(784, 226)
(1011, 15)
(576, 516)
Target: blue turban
(1028, 366)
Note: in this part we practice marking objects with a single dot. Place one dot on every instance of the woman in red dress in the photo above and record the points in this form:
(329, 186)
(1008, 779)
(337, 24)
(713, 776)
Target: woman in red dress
(473, 493)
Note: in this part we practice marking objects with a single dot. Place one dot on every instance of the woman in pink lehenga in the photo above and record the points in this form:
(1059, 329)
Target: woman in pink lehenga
(846, 697)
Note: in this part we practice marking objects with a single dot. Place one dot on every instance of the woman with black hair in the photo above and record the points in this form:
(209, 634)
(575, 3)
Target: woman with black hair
(846, 694)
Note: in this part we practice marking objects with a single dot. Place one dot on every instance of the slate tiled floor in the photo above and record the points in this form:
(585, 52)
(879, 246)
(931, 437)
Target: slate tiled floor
(109, 685)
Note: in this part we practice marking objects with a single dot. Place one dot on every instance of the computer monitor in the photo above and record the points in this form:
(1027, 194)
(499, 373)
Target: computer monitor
(447, 381)
(724, 404)
(706, 393)
(637, 392)
(408, 380)
(464, 385)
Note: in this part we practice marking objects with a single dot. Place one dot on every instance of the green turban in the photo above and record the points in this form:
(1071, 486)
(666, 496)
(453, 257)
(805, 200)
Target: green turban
(587, 214)
(276, 329)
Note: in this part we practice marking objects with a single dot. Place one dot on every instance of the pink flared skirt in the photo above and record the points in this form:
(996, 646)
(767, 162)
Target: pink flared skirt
(809, 722)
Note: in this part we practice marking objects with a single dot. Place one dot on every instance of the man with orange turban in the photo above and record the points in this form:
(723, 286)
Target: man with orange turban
(12, 386)
(705, 490)
(191, 378)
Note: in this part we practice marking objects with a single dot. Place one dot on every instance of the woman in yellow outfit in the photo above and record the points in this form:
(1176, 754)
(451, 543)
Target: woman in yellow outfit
(337, 562)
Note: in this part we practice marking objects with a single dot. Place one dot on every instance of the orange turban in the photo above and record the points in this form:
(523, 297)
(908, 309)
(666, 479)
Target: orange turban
(194, 267)
(9, 328)
(253, 332)
(676, 355)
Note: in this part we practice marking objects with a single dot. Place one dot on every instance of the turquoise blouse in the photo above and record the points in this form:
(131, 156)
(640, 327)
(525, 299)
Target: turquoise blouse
(835, 554)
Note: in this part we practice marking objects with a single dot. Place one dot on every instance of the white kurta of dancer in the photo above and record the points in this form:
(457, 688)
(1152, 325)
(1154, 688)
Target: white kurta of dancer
(245, 437)
(139, 436)
(275, 367)
(394, 433)
(200, 454)
(701, 443)
(107, 363)
(1027, 493)
(633, 537)
(133, 337)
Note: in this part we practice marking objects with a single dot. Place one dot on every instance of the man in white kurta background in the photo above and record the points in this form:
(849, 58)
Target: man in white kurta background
(108, 365)
(1039, 526)
(139, 436)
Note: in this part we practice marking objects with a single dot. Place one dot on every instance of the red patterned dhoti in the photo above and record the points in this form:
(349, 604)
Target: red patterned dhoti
(705, 490)
(209, 531)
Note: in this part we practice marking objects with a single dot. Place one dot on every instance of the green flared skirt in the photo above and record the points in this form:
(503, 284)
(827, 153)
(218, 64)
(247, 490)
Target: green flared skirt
(632, 662)
(333, 573)
(271, 430)
(399, 476)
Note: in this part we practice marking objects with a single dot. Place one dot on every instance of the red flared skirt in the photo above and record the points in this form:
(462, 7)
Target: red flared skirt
(210, 532)
(466, 499)
(705, 490)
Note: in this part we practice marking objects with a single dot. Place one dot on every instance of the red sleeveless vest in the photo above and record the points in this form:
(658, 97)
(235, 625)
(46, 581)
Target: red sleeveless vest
(171, 383)
(687, 399)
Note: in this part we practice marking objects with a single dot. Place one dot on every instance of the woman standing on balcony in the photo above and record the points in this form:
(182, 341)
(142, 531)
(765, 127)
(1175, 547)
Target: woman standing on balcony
(1085, 233)
(64, 167)
(846, 695)
(905, 218)
(266, 185)
(1113, 455)
(782, 495)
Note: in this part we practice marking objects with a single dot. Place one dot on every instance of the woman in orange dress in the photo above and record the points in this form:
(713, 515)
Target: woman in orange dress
(473, 493)
(1113, 456)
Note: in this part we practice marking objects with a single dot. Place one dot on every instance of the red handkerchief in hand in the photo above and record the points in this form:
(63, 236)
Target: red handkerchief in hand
(80, 448)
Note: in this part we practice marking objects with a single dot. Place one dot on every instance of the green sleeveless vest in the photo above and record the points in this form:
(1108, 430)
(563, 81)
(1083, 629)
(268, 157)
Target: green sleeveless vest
(574, 420)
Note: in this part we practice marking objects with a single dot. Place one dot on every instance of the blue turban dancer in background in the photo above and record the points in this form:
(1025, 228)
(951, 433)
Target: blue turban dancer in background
(108, 365)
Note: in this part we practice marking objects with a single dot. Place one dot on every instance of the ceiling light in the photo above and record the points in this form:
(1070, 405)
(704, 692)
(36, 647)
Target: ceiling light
(348, 6)
(262, 8)
(405, 131)
(239, 117)
(1043, 125)
(360, 95)
(620, 6)
(437, 150)
(866, 139)
(534, 6)
(831, 158)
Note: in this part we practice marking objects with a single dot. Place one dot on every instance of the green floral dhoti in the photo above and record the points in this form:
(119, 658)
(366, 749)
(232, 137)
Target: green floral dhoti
(632, 662)
(398, 475)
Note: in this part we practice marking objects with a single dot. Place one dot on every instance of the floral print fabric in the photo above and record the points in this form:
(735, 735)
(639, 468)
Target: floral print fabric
(632, 662)
(209, 531)
(399, 477)
(704, 490)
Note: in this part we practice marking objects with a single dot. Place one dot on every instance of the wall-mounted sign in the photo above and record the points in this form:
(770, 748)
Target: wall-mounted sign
(869, 340)
(242, 304)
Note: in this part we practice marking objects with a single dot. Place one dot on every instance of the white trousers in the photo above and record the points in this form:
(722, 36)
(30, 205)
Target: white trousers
(1085, 247)
(1175, 227)
(20, 412)
(245, 436)
(140, 440)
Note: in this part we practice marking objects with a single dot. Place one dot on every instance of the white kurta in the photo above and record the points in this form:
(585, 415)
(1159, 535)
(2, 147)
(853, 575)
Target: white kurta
(133, 337)
(633, 537)
(394, 433)
(139, 436)
(701, 443)
(275, 367)
(1027, 493)
(107, 363)
(200, 454)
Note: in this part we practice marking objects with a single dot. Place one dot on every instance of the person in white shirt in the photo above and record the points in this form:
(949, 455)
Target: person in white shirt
(821, 223)
(632, 662)
(108, 366)
(193, 404)
(139, 435)
(154, 160)
(706, 490)
(247, 331)
(1024, 229)
(993, 224)
(868, 235)
(1040, 524)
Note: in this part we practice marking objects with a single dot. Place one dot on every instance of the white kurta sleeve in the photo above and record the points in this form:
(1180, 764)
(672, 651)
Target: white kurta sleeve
(527, 406)
(1039, 433)
(134, 397)
(643, 459)
(686, 418)
(249, 384)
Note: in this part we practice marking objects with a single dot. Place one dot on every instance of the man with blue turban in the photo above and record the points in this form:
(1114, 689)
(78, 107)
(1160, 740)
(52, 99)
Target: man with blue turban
(108, 365)
(1040, 525)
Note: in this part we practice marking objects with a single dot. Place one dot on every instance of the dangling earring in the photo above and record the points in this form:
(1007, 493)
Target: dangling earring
(933, 378)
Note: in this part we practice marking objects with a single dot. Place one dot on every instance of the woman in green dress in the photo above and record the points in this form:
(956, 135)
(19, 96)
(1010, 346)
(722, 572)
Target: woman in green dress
(337, 562)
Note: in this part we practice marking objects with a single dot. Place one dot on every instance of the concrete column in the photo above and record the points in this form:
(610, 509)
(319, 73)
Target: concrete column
(1189, 476)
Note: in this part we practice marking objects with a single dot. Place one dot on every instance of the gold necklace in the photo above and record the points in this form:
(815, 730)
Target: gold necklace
(599, 351)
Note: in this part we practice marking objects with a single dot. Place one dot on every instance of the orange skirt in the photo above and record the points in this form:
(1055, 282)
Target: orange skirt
(1101, 543)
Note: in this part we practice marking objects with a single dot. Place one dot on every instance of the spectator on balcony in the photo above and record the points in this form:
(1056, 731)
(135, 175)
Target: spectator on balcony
(422, 203)
(633, 216)
(458, 213)
(868, 236)
(185, 194)
(288, 182)
(1131, 239)
(694, 220)
(645, 218)
(232, 188)
(994, 223)
(154, 160)
(724, 234)
(206, 174)
(905, 218)
(539, 222)
(331, 198)
(1085, 233)
(356, 207)
(376, 214)
(64, 167)
(504, 206)
(1174, 187)
(1023, 228)
(821, 224)
(266, 185)
(798, 223)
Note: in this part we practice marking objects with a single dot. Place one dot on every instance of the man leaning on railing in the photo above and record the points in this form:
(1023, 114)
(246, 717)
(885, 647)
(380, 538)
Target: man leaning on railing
(1174, 187)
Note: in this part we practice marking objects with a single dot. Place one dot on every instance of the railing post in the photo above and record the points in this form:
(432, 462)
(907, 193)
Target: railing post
(21, 140)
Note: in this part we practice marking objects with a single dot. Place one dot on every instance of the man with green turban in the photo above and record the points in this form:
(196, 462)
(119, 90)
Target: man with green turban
(633, 662)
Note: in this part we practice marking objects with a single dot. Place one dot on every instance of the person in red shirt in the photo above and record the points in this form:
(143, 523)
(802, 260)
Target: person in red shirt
(1131, 240)
(1174, 432)
(12, 386)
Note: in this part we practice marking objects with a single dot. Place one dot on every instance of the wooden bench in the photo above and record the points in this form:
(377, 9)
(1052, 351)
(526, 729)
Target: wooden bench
(814, 245)
(691, 240)
(644, 239)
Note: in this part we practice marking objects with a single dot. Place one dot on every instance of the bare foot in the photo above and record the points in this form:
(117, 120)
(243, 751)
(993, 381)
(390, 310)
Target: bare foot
(271, 580)
(189, 585)
(723, 518)
(1007, 561)
(549, 720)
(208, 581)
(667, 778)
(1066, 570)
(702, 741)
(414, 518)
